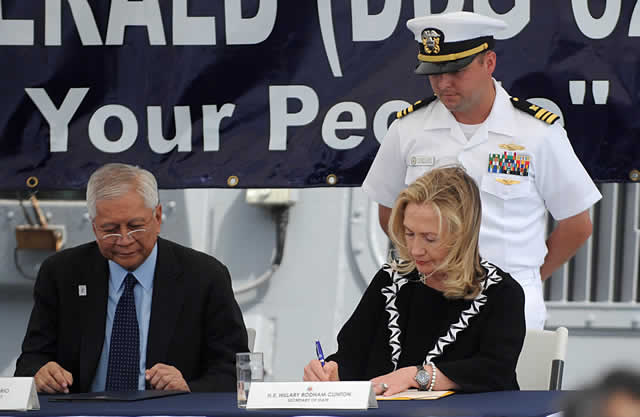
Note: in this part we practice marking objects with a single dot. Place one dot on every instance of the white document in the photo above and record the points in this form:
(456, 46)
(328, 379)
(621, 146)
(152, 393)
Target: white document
(347, 395)
(18, 393)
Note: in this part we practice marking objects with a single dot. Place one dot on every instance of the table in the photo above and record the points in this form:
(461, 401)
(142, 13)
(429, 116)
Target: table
(505, 403)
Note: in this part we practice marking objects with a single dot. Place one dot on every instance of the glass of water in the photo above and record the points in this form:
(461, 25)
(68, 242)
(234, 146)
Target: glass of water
(249, 368)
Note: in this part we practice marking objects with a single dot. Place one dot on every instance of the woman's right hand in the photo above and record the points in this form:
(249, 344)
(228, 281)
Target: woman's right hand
(314, 371)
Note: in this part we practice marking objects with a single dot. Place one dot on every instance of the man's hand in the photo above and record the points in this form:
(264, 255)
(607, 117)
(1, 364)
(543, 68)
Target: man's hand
(53, 378)
(314, 371)
(565, 240)
(166, 377)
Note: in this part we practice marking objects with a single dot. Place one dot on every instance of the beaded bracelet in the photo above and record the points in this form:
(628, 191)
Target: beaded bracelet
(433, 375)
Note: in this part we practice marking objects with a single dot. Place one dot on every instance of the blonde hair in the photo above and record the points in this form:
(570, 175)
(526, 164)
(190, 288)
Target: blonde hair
(455, 198)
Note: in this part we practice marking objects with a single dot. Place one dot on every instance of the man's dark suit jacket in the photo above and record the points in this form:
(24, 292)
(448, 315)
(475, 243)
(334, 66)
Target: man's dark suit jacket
(195, 325)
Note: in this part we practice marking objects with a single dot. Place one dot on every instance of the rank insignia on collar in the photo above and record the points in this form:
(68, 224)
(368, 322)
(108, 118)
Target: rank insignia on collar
(506, 181)
(511, 147)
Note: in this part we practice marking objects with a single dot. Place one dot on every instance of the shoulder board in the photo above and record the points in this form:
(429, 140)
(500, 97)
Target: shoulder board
(536, 111)
(415, 106)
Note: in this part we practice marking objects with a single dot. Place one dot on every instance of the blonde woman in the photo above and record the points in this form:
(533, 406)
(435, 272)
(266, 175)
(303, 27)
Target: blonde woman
(439, 318)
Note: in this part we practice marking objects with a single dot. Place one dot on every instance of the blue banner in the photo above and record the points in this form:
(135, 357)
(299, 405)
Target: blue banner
(268, 93)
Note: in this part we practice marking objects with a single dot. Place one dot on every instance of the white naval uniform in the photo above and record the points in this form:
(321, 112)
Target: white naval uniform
(512, 234)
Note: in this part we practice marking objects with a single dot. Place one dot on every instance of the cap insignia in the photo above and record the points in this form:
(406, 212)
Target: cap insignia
(431, 40)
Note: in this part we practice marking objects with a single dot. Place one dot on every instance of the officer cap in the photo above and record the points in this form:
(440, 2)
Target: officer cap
(448, 42)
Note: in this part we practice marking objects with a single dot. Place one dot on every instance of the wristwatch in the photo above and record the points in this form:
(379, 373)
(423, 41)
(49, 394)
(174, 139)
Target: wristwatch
(422, 378)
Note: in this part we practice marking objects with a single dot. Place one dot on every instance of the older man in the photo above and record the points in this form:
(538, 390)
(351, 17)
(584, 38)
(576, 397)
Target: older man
(131, 310)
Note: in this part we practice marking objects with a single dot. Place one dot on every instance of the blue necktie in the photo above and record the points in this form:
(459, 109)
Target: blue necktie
(124, 352)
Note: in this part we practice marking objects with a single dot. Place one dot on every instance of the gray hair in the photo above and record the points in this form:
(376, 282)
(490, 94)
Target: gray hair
(115, 180)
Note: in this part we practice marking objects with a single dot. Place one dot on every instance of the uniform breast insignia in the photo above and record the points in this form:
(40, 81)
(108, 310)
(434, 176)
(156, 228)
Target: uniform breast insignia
(536, 111)
(512, 163)
(507, 181)
(415, 106)
(511, 147)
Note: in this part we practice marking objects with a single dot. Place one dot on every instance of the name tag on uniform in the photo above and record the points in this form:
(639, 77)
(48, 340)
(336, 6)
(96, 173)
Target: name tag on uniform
(422, 161)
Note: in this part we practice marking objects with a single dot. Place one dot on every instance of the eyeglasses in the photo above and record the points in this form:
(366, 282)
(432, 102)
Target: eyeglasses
(114, 237)
(135, 234)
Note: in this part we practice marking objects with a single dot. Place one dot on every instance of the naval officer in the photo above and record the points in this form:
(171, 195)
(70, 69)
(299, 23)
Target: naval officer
(518, 154)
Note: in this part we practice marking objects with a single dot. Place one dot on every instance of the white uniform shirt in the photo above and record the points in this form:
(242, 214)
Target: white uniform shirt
(512, 233)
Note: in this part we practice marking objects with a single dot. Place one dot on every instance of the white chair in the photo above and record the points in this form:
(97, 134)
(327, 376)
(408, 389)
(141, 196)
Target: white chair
(251, 334)
(541, 362)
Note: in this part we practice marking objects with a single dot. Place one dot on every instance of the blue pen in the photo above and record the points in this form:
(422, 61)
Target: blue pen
(319, 353)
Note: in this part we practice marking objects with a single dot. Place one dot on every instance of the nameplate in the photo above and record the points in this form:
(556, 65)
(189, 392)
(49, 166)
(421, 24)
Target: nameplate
(18, 393)
(422, 160)
(347, 395)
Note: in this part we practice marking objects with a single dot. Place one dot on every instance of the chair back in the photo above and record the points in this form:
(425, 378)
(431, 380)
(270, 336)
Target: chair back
(251, 334)
(541, 362)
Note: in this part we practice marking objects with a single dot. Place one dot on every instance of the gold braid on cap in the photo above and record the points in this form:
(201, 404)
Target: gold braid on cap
(453, 57)
(450, 51)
